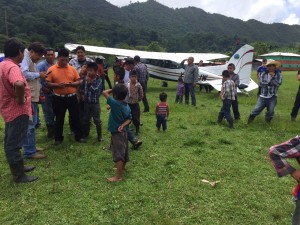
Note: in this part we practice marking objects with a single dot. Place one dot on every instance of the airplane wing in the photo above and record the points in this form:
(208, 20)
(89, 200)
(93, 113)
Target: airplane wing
(176, 57)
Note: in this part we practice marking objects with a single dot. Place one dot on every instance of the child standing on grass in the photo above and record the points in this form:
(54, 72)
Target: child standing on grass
(135, 94)
(227, 95)
(162, 112)
(119, 119)
(180, 90)
(90, 90)
(279, 155)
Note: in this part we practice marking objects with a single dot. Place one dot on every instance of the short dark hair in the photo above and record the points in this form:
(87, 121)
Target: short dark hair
(49, 49)
(163, 97)
(225, 73)
(264, 60)
(119, 71)
(63, 53)
(180, 79)
(137, 58)
(129, 61)
(12, 47)
(133, 73)
(92, 65)
(37, 47)
(80, 47)
(98, 60)
(120, 91)
(231, 64)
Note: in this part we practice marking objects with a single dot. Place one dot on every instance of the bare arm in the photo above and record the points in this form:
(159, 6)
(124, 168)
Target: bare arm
(20, 92)
(127, 122)
(106, 93)
(298, 76)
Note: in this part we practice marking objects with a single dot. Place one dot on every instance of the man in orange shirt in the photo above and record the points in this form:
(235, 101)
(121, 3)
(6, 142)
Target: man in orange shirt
(64, 80)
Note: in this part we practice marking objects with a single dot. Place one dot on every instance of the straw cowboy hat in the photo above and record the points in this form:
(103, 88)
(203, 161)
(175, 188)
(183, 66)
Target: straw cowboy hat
(273, 62)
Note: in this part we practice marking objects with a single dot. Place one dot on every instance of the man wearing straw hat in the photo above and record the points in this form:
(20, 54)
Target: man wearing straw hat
(270, 80)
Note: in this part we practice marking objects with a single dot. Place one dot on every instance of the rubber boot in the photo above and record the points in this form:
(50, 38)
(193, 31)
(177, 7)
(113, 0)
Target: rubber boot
(50, 131)
(99, 132)
(250, 119)
(86, 130)
(220, 118)
(19, 175)
(230, 121)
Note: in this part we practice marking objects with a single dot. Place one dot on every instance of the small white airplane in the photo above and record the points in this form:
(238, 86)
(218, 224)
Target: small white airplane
(166, 66)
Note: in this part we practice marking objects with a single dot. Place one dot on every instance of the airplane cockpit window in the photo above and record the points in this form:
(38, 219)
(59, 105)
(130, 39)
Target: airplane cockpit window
(167, 64)
(174, 65)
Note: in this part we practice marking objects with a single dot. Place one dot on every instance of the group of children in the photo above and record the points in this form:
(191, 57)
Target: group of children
(123, 102)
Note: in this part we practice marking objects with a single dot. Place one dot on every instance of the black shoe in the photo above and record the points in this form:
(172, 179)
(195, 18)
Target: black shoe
(146, 110)
(28, 168)
(38, 125)
(25, 179)
(137, 144)
(293, 119)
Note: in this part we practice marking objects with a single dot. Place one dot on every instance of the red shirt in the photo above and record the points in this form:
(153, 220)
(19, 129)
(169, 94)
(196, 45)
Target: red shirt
(10, 73)
(162, 108)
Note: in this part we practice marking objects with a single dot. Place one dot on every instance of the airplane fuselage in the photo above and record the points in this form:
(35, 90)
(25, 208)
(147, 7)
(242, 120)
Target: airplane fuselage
(171, 71)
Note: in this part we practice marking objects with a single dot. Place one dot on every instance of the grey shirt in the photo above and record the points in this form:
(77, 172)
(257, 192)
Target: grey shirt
(191, 73)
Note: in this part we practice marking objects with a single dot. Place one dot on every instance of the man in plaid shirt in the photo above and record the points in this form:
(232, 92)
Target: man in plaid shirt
(270, 80)
(143, 76)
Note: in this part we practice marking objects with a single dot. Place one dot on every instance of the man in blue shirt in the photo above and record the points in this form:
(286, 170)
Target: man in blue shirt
(47, 93)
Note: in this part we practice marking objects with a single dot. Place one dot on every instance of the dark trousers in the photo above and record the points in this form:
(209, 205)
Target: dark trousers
(60, 106)
(91, 110)
(189, 89)
(235, 108)
(145, 100)
(136, 114)
(225, 110)
(161, 120)
(296, 107)
(179, 99)
(15, 134)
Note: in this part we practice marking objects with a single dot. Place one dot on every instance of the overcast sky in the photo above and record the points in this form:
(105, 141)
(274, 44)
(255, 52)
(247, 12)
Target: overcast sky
(266, 11)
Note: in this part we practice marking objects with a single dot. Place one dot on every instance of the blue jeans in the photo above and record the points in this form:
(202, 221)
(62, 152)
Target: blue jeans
(262, 103)
(225, 110)
(161, 121)
(15, 133)
(48, 109)
(189, 89)
(131, 138)
(29, 143)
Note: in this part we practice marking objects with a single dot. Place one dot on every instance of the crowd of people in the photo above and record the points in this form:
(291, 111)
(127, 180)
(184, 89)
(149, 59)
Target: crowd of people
(76, 85)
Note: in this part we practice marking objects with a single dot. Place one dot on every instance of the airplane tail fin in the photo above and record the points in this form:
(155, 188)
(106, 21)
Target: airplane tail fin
(242, 59)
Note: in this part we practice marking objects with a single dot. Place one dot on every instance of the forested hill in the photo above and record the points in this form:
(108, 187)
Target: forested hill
(55, 22)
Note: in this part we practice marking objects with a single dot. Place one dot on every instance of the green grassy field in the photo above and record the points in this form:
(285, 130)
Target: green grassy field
(163, 180)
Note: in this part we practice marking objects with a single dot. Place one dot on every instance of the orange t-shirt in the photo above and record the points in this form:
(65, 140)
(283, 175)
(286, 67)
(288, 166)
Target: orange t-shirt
(63, 75)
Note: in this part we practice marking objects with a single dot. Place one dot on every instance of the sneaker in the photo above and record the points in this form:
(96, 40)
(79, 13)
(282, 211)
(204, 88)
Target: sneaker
(137, 144)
